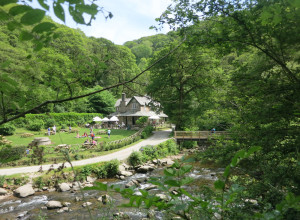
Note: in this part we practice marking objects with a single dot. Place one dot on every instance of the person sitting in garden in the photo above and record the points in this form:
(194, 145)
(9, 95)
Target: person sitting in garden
(87, 141)
(94, 142)
(85, 134)
(77, 135)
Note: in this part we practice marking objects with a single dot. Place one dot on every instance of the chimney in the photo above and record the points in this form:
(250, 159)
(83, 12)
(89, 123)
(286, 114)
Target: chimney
(123, 97)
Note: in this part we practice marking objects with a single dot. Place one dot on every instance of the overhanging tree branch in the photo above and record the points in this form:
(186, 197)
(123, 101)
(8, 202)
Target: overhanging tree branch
(22, 114)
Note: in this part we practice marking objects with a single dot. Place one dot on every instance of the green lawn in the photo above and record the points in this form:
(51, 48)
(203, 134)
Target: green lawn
(67, 138)
(77, 152)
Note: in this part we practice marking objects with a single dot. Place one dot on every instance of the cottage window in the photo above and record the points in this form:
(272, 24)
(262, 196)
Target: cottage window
(134, 105)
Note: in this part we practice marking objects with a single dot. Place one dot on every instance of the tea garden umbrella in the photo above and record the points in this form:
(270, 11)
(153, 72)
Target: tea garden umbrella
(154, 117)
(105, 119)
(113, 118)
(97, 119)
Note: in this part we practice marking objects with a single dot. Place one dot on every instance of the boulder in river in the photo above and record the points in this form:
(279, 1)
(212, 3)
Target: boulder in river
(166, 162)
(132, 183)
(63, 187)
(54, 204)
(24, 191)
(144, 169)
(77, 185)
(2, 192)
(150, 187)
(90, 179)
(162, 197)
(121, 215)
(125, 173)
(105, 199)
(21, 215)
(86, 204)
(66, 204)
(123, 167)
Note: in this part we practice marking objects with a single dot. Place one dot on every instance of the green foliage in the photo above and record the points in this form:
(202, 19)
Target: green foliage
(63, 119)
(39, 182)
(50, 122)
(37, 155)
(149, 152)
(7, 129)
(102, 102)
(188, 74)
(147, 132)
(220, 151)
(111, 167)
(142, 120)
(104, 170)
(135, 158)
(189, 144)
(35, 125)
(2, 180)
(9, 153)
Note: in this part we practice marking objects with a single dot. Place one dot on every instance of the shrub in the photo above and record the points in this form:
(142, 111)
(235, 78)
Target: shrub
(101, 172)
(189, 144)
(7, 129)
(19, 122)
(49, 123)
(135, 158)
(112, 168)
(172, 147)
(142, 120)
(36, 125)
(39, 182)
(147, 132)
(149, 152)
(9, 153)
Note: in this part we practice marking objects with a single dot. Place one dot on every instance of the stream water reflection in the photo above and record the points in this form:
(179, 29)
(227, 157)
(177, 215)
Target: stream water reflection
(33, 207)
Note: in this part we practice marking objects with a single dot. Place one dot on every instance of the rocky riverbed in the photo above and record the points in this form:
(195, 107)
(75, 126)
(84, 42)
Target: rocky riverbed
(68, 202)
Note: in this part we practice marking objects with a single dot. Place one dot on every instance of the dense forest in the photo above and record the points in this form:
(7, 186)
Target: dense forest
(236, 70)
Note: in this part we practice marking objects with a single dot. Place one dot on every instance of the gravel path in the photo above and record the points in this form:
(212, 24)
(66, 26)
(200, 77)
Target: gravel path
(158, 137)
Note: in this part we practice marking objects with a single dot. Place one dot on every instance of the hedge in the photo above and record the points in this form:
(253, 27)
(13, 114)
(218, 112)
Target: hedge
(70, 118)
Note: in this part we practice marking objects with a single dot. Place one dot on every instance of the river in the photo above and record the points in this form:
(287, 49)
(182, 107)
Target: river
(33, 207)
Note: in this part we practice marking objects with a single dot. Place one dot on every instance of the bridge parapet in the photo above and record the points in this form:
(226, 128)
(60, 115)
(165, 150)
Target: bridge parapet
(197, 135)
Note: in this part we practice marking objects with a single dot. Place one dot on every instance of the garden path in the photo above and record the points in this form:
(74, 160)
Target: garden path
(158, 137)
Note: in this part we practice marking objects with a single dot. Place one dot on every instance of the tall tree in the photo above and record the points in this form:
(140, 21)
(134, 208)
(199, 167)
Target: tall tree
(181, 82)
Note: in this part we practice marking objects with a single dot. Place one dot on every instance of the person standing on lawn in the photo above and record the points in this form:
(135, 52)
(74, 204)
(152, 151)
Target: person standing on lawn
(49, 131)
(92, 136)
(108, 133)
(54, 129)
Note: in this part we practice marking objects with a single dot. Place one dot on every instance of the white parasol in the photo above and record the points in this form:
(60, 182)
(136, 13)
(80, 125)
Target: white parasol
(105, 119)
(114, 118)
(154, 117)
(97, 119)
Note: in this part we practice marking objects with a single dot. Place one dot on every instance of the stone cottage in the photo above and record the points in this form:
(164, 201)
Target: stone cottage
(129, 110)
